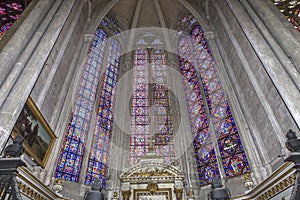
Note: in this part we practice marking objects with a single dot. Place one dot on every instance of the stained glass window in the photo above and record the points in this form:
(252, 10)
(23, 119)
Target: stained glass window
(150, 101)
(195, 56)
(10, 10)
(72, 152)
(140, 139)
(230, 146)
(160, 101)
(203, 145)
(74, 144)
(97, 164)
(291, 9)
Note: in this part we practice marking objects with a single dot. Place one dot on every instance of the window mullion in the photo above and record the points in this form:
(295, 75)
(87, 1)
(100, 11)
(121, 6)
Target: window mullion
(211, 125)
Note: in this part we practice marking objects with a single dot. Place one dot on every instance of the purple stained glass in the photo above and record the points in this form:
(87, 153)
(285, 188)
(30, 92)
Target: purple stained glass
(233, 156)
(10, 10)
(203, 146)
(140, 107)
(98, 158)
(151, 98)
(72, 152)
(162, 120)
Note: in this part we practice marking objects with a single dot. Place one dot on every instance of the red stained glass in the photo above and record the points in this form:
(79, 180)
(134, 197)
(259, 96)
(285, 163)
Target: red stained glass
(229, 144)
(150, 101)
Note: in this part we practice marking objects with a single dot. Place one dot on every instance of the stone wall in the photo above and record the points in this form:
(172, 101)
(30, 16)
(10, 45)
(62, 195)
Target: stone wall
(258, 104)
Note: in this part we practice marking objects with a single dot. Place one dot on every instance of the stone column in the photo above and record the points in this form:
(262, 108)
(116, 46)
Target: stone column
(119, 148)
(273, 27)
(16, 52)
(17, 92)
(247, 140)
(64, 117)
(283, 78)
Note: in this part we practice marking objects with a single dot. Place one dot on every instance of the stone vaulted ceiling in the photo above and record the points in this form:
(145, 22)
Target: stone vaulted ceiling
(148, 13)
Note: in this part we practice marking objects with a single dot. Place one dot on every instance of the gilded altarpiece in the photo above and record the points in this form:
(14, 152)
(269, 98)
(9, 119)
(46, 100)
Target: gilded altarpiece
(152, 179)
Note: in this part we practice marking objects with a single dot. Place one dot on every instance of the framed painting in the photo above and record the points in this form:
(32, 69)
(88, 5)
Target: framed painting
(38, 136)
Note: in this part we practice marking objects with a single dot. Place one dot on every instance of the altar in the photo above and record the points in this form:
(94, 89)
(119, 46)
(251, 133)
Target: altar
(153, 197)
(152, 179)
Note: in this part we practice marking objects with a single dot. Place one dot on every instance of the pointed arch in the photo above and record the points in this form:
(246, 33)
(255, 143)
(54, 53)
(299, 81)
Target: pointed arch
(73, 149)
(98, 156)
(212, 123)
(73, 152)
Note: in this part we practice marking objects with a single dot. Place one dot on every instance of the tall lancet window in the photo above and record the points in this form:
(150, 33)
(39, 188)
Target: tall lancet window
(97, 164)
(151, 121)
(10, 10)
(140, 139)
(207, 105)
(161, 114)
(73, 151)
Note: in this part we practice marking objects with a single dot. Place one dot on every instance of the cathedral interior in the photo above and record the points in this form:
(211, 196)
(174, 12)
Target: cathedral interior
(149, 99)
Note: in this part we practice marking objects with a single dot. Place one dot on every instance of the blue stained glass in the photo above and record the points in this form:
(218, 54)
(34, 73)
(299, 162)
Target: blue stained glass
(206, 159)
(73, 149)
(231, 148)
(98, 156)
(229, 144)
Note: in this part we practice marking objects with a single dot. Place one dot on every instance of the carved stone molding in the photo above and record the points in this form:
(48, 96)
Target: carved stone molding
(281, 179)
(152, 169)
(178, 192)
(29, 192)
(126, 194)
(152, 187)
(284, 184)
(152, 178)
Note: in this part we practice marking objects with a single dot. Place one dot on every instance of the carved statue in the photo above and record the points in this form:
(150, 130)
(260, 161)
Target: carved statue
(96, 193)
(15, 149)
(292, 144)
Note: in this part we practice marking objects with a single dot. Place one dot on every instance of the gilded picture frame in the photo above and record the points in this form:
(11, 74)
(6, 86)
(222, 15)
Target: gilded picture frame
(38, 136)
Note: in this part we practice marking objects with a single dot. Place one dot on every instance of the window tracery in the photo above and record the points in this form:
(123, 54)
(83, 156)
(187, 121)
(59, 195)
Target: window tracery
(151, 120)
(198, 71)
(98, 158)
(72, 152)
(70, 161)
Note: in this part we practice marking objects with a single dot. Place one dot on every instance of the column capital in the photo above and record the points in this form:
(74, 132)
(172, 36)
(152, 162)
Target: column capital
(209, 35)
(88, 37)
